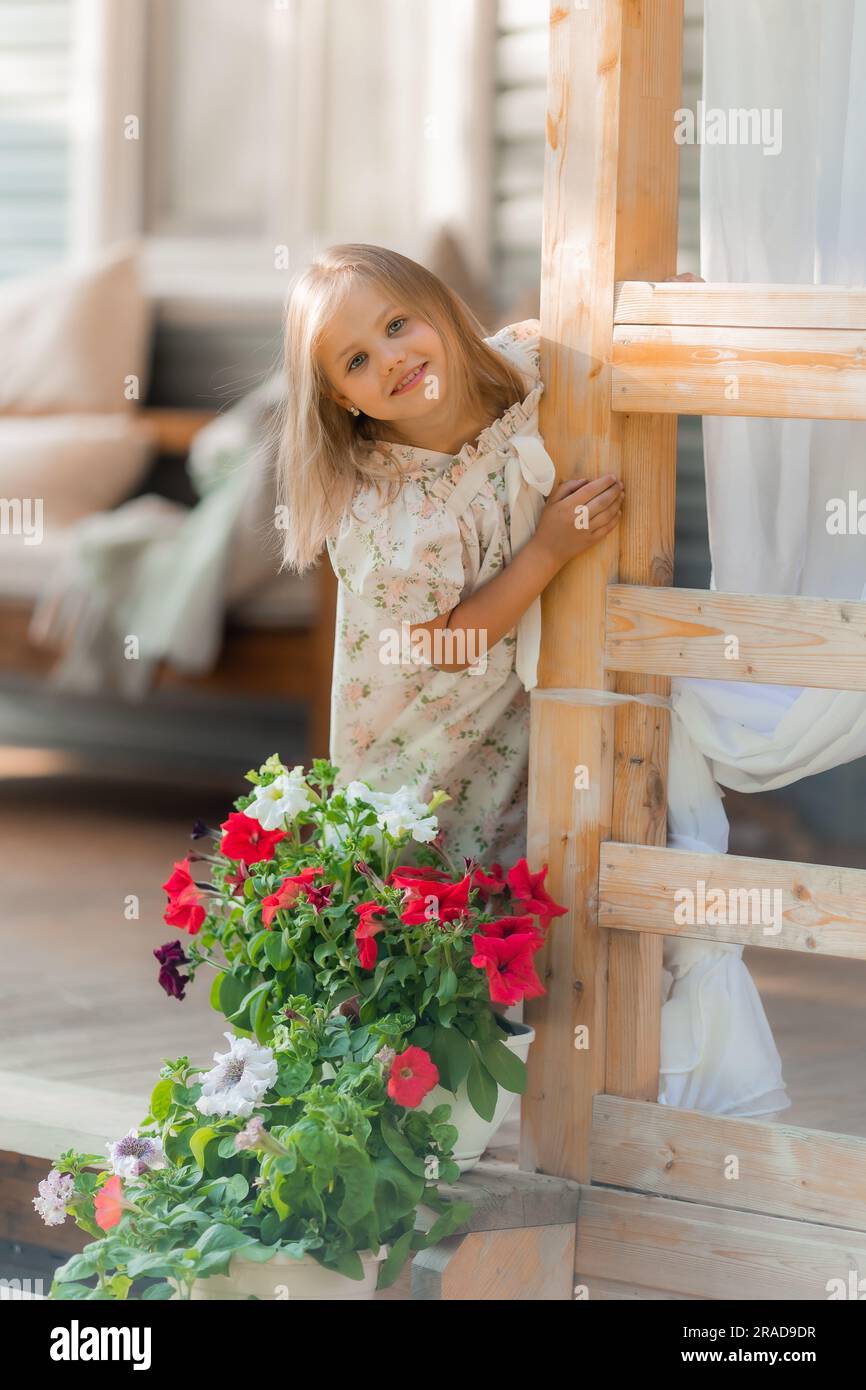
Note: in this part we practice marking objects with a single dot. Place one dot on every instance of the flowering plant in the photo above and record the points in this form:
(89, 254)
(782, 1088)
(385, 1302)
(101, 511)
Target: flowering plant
(273, 1150)
(308, 896)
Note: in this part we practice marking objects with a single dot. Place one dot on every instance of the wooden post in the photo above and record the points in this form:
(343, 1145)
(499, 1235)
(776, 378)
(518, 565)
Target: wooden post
(609, 206)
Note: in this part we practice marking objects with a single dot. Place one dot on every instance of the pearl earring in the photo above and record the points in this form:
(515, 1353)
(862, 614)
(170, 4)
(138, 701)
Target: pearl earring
(353, 410)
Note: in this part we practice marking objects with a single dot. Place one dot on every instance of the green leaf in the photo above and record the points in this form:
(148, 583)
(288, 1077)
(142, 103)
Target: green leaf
(237, 1188)
(262, 1017)
(231, 993)
(504, 1066)
(199, 1142)
(159, 1291)
(359, 1183)
(161, 1099)
(400, 1146)
(482, 1090)
(447, 985)
(278, 950)
(397, 1256)
(452, 1054)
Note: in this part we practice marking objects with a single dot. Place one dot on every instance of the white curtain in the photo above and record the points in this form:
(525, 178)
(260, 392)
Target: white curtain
(794, 216)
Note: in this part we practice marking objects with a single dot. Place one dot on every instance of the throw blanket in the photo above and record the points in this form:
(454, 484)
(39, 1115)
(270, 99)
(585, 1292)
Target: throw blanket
(152, 580)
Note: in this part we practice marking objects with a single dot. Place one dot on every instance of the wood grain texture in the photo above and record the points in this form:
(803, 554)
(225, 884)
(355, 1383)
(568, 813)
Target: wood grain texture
(646, 244)
(802, 373)
(780, 640)
(781, 1170)
(819, 909)
(709, 1252)
(532, 1264)
(740, 305)
(565, 825)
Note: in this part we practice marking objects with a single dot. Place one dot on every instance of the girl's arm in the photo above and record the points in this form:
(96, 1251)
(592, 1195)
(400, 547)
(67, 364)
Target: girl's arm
(494, 609)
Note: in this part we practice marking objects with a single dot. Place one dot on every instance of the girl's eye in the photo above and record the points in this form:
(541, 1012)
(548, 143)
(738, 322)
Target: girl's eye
(355, 359)
(393, 321)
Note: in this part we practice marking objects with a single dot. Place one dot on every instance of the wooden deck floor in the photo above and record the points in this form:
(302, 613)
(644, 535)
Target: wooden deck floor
(79, 1000)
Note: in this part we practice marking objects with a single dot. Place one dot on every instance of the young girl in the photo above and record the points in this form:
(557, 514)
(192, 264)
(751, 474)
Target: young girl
(410, 446)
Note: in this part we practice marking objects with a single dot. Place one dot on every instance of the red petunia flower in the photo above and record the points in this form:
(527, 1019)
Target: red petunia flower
(287, 893)
(452, 902)
(367, 928)
(413, 1073)
(508, 962)
(245, 840)
(530, 895)
(511, 926)
(411, 874)
(109, 1203)
(490, 884)
(184, 900)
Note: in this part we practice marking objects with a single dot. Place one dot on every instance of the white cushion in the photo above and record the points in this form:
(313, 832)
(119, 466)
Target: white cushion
(70, 337)
(76, 464)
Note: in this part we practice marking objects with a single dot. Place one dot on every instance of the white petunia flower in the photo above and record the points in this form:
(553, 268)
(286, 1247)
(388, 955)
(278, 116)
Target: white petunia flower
(239, 1080)
(55, 1194)
(280, 800)
(131, 1156)
(399, 812)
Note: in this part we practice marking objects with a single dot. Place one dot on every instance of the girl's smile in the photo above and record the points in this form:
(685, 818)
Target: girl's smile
(410, 381)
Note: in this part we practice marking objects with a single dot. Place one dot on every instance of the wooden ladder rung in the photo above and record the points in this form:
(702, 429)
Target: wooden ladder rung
(774, 639)
(789, 351)
(815, 908)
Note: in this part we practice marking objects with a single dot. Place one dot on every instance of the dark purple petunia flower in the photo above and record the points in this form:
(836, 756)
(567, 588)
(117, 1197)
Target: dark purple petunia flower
(171, 957)
(199, 830)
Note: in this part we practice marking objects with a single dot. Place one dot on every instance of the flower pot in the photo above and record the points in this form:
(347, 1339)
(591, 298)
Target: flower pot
(283, 1277)
(475, 1134)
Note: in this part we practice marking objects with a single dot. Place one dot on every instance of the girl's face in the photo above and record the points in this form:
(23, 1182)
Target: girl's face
(381, 357)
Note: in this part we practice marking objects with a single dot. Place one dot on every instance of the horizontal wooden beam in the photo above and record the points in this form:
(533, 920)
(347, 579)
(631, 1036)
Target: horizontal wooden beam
(740, 305)
(804, 373)
(815, 908)
(780, 1169)
(772, 639)
(661, 1244)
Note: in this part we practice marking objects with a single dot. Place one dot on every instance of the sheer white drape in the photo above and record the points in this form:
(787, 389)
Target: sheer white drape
(794, 216)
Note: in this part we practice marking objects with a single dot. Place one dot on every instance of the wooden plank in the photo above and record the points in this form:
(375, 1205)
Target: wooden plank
(612, 1291)
(709, 1252)
(815, 908)
(738, 305)
(503, 1197)
(776, 1169)
(802, 373)
(773, 639)
(42, 1118)
(532, 1264)
(646, 243)
(20, 1176)
(565, 825)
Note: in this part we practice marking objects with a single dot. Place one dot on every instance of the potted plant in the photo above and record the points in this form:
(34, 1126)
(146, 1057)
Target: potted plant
(297, 1169)
(309, 894)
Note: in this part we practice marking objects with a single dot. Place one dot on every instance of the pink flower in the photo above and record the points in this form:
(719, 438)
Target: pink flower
(184, 900)
(287, 893)
(530, 895)
(110, 1204)
(508, 962)
(367, 928)
(247, 841)
(413, 1074)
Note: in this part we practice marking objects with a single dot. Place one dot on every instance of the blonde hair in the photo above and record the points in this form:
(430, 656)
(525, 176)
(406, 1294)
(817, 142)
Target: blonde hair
(323, 452)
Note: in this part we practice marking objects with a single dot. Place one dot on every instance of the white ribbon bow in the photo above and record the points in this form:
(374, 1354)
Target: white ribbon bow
(529, 477)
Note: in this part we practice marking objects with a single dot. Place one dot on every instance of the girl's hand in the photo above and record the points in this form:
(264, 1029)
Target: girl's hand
(577, 515)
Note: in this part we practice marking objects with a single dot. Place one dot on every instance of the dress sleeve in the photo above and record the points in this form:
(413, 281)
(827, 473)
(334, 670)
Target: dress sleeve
(521, 343)
(404, 559)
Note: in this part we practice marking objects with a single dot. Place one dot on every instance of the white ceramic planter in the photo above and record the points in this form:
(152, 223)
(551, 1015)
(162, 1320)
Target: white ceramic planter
(283, 1278)
(475, 1134)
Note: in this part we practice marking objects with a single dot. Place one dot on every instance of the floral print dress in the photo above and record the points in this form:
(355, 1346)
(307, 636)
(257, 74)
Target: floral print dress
(452, 527)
